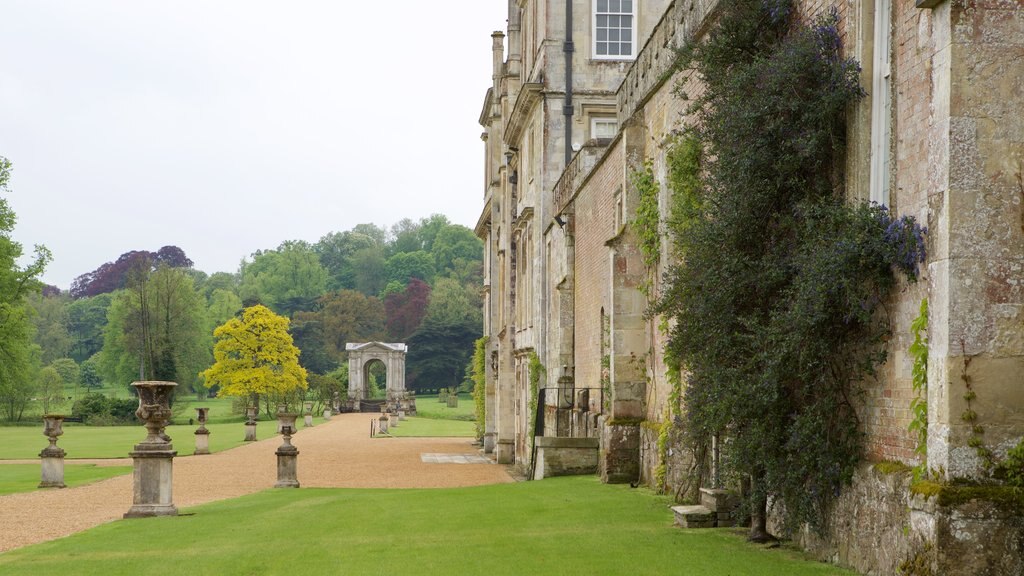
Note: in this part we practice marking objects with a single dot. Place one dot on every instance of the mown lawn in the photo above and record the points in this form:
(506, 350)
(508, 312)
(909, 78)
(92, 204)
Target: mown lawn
(560, 526)
(25, 477)
(432, 428)
(430, 407)
(18, 442)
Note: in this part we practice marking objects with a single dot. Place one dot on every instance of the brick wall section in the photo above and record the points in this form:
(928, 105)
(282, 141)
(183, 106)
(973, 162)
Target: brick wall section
(595, 225)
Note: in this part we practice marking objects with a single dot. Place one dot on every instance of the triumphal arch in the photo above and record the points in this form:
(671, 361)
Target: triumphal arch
(361, 357)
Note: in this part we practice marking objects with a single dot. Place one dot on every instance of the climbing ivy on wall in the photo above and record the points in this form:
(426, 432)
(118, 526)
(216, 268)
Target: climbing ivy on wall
(478, 373)
(919, 379)
(777, 293)
(647, 222)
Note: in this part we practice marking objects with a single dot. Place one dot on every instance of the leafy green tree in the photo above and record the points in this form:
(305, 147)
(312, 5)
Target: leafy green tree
(89, 375)
(218, 281)
(287, 279)
(155, 330)
(307, 331)
(349, 316)
(378, 234)
(50, 318)
(87, 317)
(453, 247)
(50, 389)
(370, 274)
(405, 237)
(255, 356)
(69, 370)
(452, 303)
(404, 266)
(336, 251)
(439, 353)
(19, 357)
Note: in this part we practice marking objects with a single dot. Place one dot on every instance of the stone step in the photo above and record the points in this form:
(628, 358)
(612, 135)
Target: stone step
(694, 517)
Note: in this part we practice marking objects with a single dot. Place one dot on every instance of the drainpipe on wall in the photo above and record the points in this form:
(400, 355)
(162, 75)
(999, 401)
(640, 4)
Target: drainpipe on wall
(568, 49)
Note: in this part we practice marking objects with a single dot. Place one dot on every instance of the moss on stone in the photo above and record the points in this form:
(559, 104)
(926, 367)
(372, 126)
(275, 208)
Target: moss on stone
(891, 467)
(652, 425)
(1008, 498)
(625, 422)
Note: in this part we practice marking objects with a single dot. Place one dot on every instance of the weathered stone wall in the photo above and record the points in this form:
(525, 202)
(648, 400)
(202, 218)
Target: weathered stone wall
(595, 222)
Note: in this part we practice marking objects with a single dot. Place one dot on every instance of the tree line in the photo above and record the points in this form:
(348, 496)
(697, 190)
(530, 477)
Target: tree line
(151, 315)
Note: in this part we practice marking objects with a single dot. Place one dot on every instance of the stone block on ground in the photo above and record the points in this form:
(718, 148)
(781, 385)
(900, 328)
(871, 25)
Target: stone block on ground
(694, 516)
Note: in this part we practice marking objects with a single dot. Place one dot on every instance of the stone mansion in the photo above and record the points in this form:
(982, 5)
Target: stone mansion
(582, 93)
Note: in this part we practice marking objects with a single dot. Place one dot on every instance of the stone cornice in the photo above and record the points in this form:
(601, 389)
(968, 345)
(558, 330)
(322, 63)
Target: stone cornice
(528, 97)
(483, 224)
(525, 217)
(485, 113)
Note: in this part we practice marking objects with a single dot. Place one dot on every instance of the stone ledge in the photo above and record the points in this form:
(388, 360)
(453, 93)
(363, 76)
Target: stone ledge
(694, 516)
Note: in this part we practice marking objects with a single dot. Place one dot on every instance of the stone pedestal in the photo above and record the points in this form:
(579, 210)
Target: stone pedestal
(250, 423)
(505, 451)
(201, 433)
(327, 413)
(383, 424)
(393, 420)
(287, 455)
(489, 440)
(153, 457)
(453, 400)
(52, 457)
(401, 414)
(307, 414)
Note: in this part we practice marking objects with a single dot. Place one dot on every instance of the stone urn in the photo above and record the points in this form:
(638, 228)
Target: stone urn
(250, 423)
(201, 433)
(287, 454)
(155, 412)
(307, 414)
(281, 409)
(383, 425)
(152, 474)
(52, 457)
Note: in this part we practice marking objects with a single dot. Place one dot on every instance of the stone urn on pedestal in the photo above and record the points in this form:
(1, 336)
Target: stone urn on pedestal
(250, 423)
(202, 434)
(383, 423)
(151, 491)
(327, 413)
(307, 414)
(52, 457)
(287, 455)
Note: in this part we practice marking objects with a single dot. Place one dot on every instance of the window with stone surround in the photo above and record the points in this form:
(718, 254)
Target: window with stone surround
(614, 29)
(881, 104)
(603, 126)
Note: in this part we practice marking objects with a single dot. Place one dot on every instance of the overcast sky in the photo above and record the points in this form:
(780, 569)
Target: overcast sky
(228, 126)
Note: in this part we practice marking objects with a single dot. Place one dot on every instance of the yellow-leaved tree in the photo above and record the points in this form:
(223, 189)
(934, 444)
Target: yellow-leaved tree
(254, 357)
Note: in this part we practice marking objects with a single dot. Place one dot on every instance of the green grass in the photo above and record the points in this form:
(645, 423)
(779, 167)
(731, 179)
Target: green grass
(429, 407)
(17, 442)
(561, 526)
(25, 477)
(432, 428)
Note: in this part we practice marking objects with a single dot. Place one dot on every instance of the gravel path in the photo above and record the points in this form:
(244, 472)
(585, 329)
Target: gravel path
(335, 454)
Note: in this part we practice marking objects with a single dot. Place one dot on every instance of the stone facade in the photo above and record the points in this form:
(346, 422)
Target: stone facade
(939, 137)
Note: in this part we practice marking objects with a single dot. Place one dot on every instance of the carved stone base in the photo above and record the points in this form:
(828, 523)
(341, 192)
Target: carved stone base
(152, 484)
(287, 465)
(52, 471)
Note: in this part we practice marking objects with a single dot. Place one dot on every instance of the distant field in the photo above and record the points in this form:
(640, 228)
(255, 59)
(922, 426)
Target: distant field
(430, 407)
(25, 477)
(433, 428)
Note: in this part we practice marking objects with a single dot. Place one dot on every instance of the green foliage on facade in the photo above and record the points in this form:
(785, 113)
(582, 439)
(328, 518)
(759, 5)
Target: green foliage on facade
(478, 374)
(647, 222)
(776, 292)
(919, 378)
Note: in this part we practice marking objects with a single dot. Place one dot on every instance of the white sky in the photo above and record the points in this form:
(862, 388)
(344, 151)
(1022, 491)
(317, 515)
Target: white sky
(228, 126)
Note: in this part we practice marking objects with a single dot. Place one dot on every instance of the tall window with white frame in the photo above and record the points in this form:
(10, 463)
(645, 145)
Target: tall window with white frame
(881, 105)
(614, 29)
